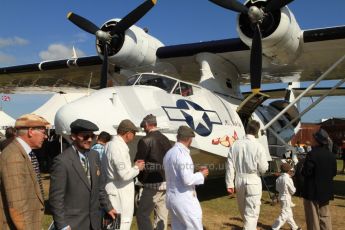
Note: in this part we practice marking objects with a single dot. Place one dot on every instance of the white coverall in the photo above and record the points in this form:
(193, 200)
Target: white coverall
(247, 159)
(120, 184)
(286, 188)
(181, 199)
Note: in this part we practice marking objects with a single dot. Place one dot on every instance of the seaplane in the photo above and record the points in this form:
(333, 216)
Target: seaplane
(196, 84)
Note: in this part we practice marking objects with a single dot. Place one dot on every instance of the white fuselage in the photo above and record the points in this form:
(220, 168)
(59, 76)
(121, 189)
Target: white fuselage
(213, 117)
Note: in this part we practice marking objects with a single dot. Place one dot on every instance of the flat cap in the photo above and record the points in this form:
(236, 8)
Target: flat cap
(321, 136)
(285, 167)
(81, 125)
(149, 119)
(184, 131)
(127, 126)
(31, 120)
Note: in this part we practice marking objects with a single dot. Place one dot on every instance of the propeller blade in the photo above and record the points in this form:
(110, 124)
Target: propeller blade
(104, 73)
(82, 23)
(133, 17)
(231, 5)
(256, 60)
(276, 4)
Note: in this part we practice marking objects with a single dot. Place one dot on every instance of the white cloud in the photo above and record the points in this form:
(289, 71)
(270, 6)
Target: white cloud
(6, 59)
(59, 51)
(13, 41)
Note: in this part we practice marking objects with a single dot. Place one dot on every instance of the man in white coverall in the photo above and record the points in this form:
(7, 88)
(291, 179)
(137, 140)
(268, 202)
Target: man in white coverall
(247, 159)
(120, 173)
(181, 198)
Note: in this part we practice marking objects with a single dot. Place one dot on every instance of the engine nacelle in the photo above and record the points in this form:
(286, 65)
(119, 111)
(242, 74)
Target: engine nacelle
(281, 35)
(135, 47)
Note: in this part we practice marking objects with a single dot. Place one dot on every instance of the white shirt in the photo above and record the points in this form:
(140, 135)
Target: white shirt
(179, 170)
(120, 174)
(246, 156)
(285, 186)
(118, 164)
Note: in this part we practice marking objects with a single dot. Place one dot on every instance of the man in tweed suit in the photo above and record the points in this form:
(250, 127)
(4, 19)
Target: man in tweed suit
(76, 186)
(22, 204)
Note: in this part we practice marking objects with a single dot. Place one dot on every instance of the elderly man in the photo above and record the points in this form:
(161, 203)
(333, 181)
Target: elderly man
(22, 202)
(120, 173)
(184, 207)
(152, 149)
(246, 160)
(319, 169)
(76, 185)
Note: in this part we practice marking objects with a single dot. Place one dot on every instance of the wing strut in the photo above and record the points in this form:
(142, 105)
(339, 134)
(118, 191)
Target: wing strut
(297, 99)
(314, 103)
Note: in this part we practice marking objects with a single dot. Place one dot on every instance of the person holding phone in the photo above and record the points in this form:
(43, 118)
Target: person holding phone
(120, 172)
(181, 200)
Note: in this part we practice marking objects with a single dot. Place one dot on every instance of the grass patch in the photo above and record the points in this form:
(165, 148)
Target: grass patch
(220, 211)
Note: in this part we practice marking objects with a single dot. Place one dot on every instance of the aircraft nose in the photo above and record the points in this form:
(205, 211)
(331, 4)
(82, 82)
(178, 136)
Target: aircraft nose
(101, 107)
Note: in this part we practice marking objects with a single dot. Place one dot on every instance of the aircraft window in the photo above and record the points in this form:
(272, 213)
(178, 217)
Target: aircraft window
(183, 89)
(131, 80)
(161, 82)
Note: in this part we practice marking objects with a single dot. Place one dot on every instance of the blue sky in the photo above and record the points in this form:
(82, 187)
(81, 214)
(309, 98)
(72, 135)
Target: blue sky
(37, 30)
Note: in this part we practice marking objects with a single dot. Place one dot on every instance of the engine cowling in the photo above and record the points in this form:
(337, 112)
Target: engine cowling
(281, 34)
(136, 47)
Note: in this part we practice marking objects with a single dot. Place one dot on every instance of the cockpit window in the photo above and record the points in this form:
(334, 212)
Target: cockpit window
(131, 80)
(183, 89)
(159, 81)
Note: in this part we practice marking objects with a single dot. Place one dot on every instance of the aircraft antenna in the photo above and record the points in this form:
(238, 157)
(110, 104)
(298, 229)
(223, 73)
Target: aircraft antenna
(89, 86)
(74, 53)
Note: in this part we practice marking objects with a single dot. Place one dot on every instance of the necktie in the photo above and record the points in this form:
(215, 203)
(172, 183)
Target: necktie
(36, 167)
(85, 164)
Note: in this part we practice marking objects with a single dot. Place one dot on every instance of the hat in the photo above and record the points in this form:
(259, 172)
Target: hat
(127, 126)
(321, 136)
(149, 119)
(184, 131)
(285, 167)
(81, 125)
(31, 120)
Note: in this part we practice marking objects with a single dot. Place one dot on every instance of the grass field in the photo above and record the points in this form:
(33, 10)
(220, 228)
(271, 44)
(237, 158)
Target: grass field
(220, 210)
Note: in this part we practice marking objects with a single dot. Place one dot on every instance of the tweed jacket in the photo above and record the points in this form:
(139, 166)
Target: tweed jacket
(21, 204)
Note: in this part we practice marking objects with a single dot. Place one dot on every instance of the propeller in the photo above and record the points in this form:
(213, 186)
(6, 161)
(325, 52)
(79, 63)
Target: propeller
(256, 16)
(111, 39)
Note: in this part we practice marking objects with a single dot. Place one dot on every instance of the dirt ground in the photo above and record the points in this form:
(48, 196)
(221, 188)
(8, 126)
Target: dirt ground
(220, 210)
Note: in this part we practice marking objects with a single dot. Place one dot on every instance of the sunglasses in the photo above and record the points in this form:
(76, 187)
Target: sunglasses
(86, 136)
(44, 131)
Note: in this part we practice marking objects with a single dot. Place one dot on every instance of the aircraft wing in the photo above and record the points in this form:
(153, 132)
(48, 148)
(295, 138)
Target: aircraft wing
(320, 49)
(315, 92)
(52, 75)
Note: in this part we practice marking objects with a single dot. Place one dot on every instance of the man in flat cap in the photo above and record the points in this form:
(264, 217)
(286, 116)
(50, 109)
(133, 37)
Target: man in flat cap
(181, 199)
(120, 172)
(22, 202)
(152, 149)
(247, 160)
(319, 169)
(77, 184)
